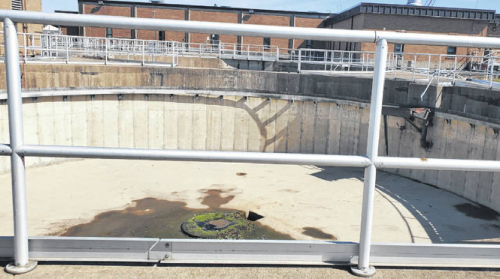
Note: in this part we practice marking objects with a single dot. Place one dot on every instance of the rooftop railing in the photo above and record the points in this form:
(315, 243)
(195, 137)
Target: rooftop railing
(57, 48)
(362, 256)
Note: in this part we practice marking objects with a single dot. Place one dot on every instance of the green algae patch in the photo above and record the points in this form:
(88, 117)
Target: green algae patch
(219, 225)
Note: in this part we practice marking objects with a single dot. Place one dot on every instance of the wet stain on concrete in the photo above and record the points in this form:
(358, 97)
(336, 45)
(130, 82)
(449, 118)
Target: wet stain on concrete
(317, 233)
(155, 218)
(477, 211)
(214, 199)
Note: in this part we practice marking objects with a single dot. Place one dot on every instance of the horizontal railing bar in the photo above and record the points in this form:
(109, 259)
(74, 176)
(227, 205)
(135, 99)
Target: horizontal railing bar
(252, 251)
(5, 150)
(436, 164)
(321, 34)
(185, 155)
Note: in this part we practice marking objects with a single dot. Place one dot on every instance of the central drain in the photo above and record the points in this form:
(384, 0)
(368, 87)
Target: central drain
(218, 225)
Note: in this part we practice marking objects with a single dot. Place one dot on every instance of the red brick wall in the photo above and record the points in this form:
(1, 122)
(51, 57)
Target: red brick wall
(107, 10)
(227, 17)
(267, 20)
(308, 23)
(160, 14)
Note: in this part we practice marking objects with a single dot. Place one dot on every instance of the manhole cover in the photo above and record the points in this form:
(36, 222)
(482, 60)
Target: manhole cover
(218, 225)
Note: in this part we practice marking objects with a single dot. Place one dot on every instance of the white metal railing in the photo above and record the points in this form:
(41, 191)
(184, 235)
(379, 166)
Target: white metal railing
(422, 66)
(297, 252)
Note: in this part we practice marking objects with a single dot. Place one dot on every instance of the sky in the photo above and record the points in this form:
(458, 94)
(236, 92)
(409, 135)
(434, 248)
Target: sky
(325, 6)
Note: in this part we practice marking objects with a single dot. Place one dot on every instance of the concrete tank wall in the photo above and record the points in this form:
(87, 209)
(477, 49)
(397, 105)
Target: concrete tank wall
(465, 126)
(239, 123)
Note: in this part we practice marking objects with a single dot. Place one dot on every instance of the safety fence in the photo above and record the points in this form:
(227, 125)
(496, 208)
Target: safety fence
(361, 255)
(57, 48)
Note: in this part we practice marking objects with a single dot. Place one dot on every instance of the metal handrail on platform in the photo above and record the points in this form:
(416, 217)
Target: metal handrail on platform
(290, 252)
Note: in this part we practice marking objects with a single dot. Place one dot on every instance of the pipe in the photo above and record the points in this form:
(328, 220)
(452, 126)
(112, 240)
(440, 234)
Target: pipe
(5, 150)
(14, 102)
(319, 34)
(364, 268)
(199, 156)
(437, 164)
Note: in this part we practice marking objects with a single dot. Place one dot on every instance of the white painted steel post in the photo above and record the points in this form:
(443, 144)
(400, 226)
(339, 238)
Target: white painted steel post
(143, 53)
(492, 71)
(25, 48)
(414, 67)
(106, 51)
(439, 69)
(67, 50)
(363, 268)
(13, 72)
(300, 60)
(454, 70)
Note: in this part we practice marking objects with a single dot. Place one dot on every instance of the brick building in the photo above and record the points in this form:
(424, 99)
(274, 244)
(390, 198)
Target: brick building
(413, 19)
(197, 13)
(23, 5)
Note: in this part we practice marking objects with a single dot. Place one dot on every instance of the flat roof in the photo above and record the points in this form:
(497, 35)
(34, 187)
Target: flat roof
(408, 10)
(211, 8)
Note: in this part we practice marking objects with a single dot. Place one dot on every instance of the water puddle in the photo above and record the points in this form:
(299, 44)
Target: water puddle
(317, 233)
(477, 211)
(156, 218)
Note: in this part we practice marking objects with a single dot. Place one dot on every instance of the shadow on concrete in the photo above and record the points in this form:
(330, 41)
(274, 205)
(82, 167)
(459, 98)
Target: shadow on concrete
(334, 174)
(445, 217)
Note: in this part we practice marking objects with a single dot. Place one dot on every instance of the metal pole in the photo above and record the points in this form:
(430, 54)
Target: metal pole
(363, 268)
(414, 67)
(439, 69)
(13, 72)
(492, 70)
(454, 70)
(142, 53)
(106, 51)
(67, 50)
(25, 48)
(300, 60)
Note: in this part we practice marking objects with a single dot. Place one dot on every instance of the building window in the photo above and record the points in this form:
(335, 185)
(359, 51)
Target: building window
(17, 5)
(267, 43)
(161, 35)
(309, 44)
(451, 50)
(109, 32)
(214, 39)
(399, 48)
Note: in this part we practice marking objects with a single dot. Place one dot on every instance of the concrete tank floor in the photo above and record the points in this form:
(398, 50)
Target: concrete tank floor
(290, 198)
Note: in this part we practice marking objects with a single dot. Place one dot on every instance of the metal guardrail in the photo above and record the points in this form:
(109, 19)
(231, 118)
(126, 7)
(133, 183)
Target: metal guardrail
(57, 48)
(295, 252)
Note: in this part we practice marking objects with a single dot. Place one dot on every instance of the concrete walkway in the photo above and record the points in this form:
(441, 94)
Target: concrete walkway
(44, 271)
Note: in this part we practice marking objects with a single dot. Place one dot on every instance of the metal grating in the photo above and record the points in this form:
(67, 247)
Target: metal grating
(17, 5)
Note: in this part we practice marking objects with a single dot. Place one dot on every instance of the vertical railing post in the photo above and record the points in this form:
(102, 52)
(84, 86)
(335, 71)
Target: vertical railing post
(21, 262)
(143, 54)
(414, 67)
(25, 48)
(363, 268)
(67, 50)
(299, 65)
(106, 51)
(454, 70)
(439, 69)
(492, 72)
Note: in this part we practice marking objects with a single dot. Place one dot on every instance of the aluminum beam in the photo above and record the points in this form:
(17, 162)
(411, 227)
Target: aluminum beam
(436, 164)
(68, 249)
(5, 150)
(320, 34)
(200, 156)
